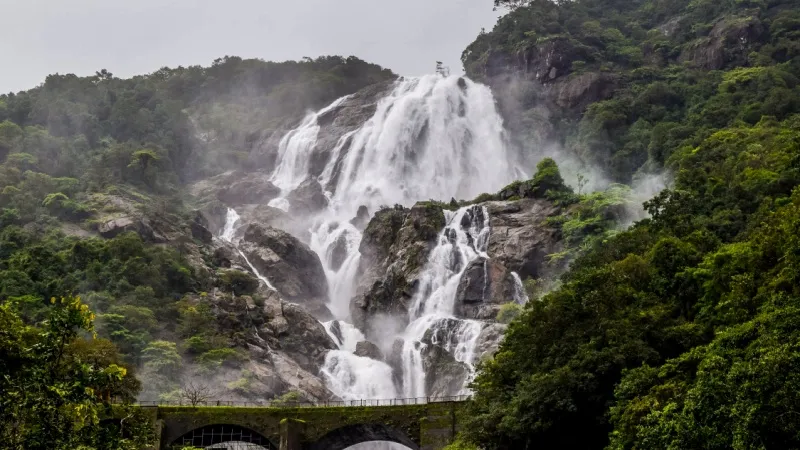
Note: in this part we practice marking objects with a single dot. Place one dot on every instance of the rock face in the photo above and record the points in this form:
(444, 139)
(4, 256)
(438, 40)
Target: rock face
(521, 239)
(339, 252)
(393, 250)
(199, 227)
(519, 242)
(728, 43)
(294, 270)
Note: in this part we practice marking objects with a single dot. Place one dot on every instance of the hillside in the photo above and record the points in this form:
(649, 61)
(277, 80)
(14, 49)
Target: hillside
(680, 332)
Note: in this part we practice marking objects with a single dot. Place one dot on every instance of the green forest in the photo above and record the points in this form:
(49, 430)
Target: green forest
(680, 332)
(684, 330)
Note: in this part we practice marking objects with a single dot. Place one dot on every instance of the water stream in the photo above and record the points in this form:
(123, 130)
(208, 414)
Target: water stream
(431, 137)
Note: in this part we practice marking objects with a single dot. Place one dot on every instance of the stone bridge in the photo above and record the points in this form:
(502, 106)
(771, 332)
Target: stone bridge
(428, 426)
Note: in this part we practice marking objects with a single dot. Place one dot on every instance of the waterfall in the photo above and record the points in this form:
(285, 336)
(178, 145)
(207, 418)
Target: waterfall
(431, 137)
(434, 303)
(294, 153)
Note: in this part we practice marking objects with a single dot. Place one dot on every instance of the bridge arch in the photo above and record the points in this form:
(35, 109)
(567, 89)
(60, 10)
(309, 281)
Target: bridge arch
(213, 435)
(344, 437)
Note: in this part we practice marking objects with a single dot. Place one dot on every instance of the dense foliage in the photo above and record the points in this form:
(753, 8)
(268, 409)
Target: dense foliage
(661, 74)
(682, 331)
(57, 387)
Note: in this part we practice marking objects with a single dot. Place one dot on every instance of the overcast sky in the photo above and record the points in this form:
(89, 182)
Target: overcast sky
(128, 37)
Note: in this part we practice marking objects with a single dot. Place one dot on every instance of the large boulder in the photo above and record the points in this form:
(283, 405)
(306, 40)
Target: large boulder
(290, 266)
(368, 350)
(114, 227)
(308, 198)
(305, 340)
(361, 219)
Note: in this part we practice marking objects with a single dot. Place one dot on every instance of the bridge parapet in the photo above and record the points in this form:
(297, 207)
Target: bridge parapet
(428, 426)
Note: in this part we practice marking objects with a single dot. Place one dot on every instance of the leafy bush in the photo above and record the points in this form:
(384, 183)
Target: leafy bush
(508, 312)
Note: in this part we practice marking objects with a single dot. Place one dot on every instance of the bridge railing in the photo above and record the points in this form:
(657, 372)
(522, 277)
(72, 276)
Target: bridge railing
(304, 404)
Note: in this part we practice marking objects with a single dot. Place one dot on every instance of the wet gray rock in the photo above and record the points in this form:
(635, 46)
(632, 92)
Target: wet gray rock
(361, 220)
(339, 253)
(474, 284)
(489, 341)
(395, 360)
(235, 188)
(308, 198)
(368, 350)
(446, 375)
(290, 266)
(521, 239)
(305, 340)
(394, 249)
(351, 114)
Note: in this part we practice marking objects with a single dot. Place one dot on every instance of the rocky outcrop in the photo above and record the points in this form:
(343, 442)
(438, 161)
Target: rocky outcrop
(273, 217)
(489, 341)
(199, 227)
(484, 286)
(368, 350)
(235, 188)
(338, 252)
(361, 220)
(307, 199)
(520, 241)
(305, 340)
(280, 358)
(114, 227)
(290, 266)
(393, 250)
(729, 43)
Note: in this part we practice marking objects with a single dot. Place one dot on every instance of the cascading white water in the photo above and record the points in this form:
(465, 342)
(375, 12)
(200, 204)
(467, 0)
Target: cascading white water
(431, 137)
(294, 154)
(432, 311)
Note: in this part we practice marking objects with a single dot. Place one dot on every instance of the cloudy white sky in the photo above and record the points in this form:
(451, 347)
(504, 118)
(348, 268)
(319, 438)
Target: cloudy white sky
(129, 37)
